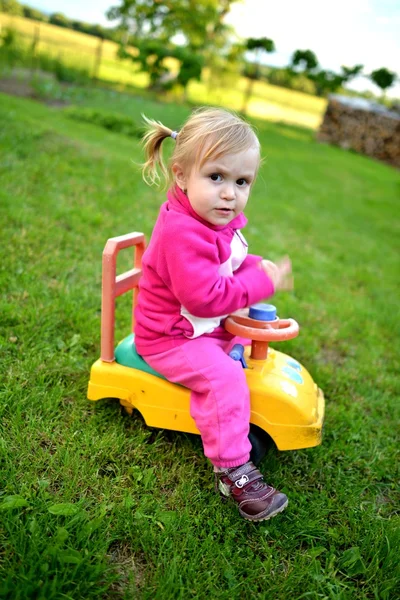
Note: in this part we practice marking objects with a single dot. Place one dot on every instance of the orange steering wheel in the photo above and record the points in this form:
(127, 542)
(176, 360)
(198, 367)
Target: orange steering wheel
(260, 332)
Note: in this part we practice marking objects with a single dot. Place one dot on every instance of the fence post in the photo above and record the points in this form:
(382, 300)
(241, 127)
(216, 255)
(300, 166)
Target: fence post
(35, 42)
(97, 58)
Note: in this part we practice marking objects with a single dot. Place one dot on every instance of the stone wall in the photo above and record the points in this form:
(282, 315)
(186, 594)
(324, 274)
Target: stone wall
(364, 126)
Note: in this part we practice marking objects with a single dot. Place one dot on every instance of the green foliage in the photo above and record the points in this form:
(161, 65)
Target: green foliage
(12, 51)
(111, 121)
(306, 63)
(287, 78)
(149, 27)
(12, 502)
(256, 45)
(152, 59)
(305, 59)
(34, 14)
(11, 7)
(260, 44)
(15, 53)
(326, 81)
(59, 19)
(68, 73)
(383, 78)
(146, 19)
(191, 65)
(349, 73)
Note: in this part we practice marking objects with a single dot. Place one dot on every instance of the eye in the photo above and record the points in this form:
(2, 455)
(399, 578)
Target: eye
(216, 177)
(241, 182)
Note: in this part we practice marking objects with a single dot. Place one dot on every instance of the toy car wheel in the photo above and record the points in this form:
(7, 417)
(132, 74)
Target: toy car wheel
(260, 443)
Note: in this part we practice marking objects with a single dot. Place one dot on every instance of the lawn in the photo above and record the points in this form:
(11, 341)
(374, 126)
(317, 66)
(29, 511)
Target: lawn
(96, 505)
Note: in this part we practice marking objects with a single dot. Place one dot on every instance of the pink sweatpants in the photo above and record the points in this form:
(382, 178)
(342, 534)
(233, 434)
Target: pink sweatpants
(220, 398)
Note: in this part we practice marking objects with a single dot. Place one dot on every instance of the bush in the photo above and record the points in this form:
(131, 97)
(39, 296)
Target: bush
(47, 88)
(11, 7)
(288, 79)
(12, 51)
(68, 73)
(34, 14)
(111, 121)
(15, 53)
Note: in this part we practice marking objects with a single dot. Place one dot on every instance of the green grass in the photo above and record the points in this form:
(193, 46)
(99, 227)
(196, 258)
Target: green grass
(103, 507)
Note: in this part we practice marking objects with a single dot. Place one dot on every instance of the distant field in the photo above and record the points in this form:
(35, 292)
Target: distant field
(269, 102)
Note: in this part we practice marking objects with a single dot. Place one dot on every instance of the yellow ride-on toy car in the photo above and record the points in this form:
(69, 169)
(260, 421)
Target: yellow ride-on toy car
(286, 404)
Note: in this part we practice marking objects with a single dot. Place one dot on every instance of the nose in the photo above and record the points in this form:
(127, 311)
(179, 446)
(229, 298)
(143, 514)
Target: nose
(228, 191)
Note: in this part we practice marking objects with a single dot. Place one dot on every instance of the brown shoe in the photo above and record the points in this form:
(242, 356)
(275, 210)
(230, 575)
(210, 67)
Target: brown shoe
(257, 501)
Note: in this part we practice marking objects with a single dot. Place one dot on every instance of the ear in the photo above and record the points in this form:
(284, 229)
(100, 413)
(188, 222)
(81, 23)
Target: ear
(179, 176)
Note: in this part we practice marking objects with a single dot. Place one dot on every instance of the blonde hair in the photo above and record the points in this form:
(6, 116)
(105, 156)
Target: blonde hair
(208, 134)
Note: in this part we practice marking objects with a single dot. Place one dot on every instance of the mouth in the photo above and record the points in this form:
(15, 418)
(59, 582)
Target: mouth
(224, 211)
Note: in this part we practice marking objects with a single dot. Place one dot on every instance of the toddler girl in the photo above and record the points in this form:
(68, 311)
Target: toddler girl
(196, 271)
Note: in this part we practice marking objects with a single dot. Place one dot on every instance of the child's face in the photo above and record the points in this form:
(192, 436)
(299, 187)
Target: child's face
(218, 191)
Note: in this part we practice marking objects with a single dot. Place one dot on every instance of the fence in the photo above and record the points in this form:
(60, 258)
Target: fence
(96, 56)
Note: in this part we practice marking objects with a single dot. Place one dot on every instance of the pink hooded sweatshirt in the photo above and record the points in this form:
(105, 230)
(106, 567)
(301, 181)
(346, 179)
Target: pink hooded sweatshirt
(194, 275)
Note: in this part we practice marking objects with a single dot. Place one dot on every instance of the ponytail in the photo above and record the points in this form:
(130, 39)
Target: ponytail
(152, 140)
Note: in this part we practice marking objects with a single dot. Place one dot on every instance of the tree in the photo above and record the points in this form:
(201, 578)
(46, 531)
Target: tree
(34, 14)
(326, 81)
(60, 20)
(286, 77)
(11, 7)
(383, 78)
(258, 46)
(151, 57)
(349, 73)
(222, 55)
(305, 60)
(199, 23)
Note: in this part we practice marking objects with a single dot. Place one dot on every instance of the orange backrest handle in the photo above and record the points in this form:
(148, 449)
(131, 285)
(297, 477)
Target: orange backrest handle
(114, 286)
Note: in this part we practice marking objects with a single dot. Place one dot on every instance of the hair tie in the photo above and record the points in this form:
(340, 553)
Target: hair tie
(174, 134)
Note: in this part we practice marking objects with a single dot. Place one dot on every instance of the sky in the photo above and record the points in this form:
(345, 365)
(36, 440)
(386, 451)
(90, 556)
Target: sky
(344, 32)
